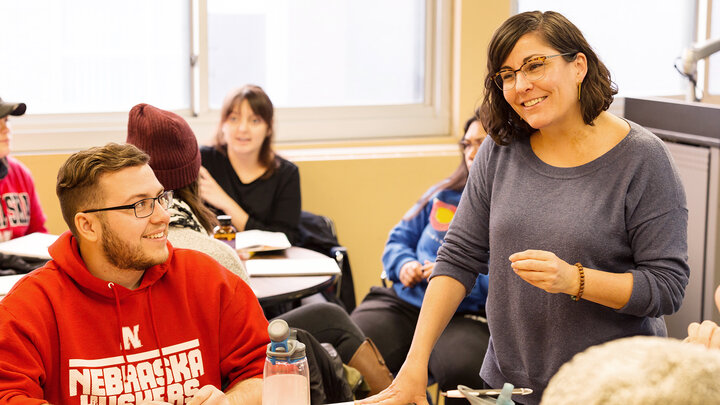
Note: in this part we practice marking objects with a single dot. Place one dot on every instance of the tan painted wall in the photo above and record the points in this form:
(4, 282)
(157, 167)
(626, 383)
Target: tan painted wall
(365, 197)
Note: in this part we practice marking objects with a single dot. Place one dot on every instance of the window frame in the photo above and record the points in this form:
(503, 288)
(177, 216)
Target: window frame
(41, 133)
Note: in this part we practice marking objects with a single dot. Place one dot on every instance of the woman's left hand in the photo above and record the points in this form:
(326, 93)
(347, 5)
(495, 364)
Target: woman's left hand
(211, 191)
(545, 270)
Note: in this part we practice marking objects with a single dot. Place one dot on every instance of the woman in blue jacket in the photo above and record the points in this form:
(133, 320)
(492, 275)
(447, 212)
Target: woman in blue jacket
(388, 315)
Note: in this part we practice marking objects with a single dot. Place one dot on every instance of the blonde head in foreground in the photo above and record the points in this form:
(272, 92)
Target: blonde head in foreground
(639, 370)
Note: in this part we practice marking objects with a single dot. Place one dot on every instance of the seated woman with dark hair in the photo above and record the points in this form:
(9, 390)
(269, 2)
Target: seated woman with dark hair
(242, 175)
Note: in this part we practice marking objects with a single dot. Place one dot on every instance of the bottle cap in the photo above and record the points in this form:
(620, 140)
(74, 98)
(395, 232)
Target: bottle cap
(224, 219)
(281, 346)
(278, 330)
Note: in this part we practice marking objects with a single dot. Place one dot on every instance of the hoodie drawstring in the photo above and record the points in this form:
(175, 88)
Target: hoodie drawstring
(119, 319)
(157, 339)
(118, 314)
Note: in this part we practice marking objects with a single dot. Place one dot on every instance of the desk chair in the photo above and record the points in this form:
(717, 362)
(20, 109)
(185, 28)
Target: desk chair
(318, 233)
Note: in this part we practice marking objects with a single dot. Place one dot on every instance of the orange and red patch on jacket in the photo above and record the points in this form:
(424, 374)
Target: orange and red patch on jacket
(441, 215)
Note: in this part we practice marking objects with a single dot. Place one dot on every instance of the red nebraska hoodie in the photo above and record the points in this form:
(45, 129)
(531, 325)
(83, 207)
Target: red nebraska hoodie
(67, 337)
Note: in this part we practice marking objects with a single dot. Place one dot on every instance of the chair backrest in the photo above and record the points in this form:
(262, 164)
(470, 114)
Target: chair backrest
(318, 233)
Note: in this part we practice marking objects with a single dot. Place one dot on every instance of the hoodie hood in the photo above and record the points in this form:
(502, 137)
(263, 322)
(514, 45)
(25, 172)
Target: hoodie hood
(66, 258)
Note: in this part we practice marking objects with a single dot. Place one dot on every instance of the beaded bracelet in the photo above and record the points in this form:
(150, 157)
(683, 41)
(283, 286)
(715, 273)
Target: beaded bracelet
(582, 283)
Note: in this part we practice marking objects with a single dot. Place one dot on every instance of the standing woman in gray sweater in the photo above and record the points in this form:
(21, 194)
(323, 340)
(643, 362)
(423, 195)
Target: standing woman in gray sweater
(578, 217)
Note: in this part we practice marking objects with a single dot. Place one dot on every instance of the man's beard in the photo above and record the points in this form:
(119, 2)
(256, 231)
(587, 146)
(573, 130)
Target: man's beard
(124, 256)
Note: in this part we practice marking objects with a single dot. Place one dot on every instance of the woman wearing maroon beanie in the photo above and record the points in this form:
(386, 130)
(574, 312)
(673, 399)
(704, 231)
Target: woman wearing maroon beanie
(175, 160)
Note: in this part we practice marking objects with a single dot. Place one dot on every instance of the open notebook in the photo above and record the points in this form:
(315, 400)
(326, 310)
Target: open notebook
(291, 267)
(256, 240)
(34, 245)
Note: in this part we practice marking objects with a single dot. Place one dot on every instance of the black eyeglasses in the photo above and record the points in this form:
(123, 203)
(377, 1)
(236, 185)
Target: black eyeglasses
(533, 69)
(143, 208)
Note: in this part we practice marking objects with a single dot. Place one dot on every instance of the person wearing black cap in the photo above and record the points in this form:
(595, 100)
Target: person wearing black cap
(20, 210)
(175, 160)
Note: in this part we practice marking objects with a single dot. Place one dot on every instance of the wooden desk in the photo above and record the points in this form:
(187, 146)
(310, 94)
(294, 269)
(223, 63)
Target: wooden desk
(280, 289)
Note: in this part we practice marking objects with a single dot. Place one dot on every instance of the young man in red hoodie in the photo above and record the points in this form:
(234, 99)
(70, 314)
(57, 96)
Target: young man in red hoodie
(119, 316)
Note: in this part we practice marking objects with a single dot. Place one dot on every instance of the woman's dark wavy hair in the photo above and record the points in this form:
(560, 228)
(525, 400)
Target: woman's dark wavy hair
(504, 125)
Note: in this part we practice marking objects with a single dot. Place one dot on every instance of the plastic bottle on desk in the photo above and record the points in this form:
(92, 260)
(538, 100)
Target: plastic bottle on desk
(225, 231)
(286, 379)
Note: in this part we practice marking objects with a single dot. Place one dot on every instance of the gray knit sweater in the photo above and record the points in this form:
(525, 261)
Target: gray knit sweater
(623, 212)
(186, 237)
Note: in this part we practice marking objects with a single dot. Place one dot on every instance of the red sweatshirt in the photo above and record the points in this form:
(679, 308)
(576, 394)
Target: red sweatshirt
(67, 337)
(20, 210)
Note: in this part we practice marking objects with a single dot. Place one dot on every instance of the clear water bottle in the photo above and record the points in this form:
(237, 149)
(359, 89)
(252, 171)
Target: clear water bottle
(225, 231)
(286, 379)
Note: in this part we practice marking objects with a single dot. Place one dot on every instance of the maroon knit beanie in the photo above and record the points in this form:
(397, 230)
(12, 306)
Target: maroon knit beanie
(171, 144)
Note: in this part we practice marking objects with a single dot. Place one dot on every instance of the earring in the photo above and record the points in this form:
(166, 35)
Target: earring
(579, 89)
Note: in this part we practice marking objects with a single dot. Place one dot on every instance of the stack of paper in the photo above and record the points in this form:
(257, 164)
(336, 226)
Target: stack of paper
(291, 267)
(261, 241)
(34, 245)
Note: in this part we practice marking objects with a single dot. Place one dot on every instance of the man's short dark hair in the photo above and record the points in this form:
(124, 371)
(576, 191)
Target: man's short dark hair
(78, 178)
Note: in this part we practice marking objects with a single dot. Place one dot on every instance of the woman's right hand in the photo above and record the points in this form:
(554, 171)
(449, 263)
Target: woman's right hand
(408, 388)
(411, 273)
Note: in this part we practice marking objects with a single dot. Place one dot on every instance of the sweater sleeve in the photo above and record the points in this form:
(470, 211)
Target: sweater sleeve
(244, 336)
(21, 367)
(657, 220)
(401, 246)
(286, 205)
(465, 252)
(186, 238)
(661, 272)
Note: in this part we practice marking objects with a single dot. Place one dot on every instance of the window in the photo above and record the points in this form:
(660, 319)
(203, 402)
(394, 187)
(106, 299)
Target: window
(336, 69)
(314, 53)
(85, 56)
(639, 40)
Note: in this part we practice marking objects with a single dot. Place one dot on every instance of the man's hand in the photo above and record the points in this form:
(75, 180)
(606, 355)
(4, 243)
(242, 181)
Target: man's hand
(209, 395)
(706, 333)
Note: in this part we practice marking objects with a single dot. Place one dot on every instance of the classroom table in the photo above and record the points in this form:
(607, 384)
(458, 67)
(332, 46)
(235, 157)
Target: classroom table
(270, 290)
(6, 283)
(283, 288)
